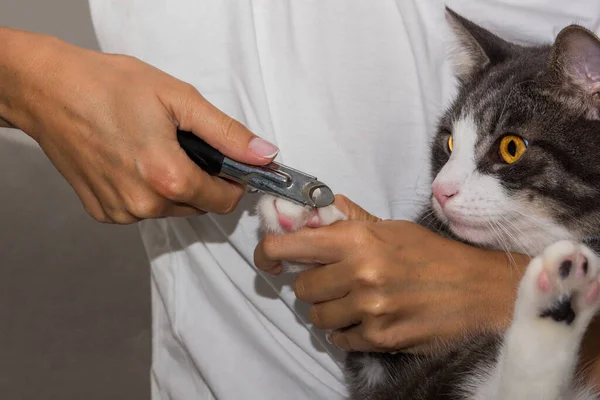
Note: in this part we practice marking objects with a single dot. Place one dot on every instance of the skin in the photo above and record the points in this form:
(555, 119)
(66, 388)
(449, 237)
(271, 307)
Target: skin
(394, 285)
(108, 124)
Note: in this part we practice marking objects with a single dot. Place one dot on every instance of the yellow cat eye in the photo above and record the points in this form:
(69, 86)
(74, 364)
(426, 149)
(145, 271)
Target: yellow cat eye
(512, 148)
(450, 143)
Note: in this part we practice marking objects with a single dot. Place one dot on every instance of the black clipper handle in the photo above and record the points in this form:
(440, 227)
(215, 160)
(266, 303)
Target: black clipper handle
(207, 157)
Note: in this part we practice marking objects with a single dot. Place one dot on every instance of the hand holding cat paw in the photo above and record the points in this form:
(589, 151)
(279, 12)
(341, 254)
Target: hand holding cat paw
(108, 123)
(390, 285)
(280, 216)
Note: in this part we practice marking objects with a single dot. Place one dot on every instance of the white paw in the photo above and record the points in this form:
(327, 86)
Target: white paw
(280, 216)
(563, 283)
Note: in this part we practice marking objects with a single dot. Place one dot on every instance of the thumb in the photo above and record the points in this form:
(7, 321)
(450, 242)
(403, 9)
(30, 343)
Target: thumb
(352, 210)
(221, 131)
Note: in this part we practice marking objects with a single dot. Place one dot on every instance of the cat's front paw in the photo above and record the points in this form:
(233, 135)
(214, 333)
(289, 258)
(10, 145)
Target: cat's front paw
(280, 216)
(564, 283)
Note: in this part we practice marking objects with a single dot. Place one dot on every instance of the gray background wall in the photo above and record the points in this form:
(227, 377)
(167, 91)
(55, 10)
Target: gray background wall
(74, 294)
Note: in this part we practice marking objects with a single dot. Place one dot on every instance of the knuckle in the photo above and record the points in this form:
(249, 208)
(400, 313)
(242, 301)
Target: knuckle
(300, 291)
(347, 343)
(361, 234)
(175, 188)
(260, 260)
(370, 276)
(233, 131)
(121, 218)
(112, 213)
(189, 97)
(171, 184)
(123, 58)
(190, 92)
(316, 318)
(340, 340)
(376, 338)
(228, 126)
(227, 206)
(191, 89)
(376, 306)
(96, 215)
(270, 243)
(127, 63)
(145, 207)
(100, 217)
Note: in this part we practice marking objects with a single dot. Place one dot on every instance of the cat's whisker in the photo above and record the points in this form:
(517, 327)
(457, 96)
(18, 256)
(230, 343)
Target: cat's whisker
(537, 223)
(425, 217)
(542, 225)
(426, 220)
(509, 225)
(497, 235)
(502, 242)
(535, 226)
(510, 235)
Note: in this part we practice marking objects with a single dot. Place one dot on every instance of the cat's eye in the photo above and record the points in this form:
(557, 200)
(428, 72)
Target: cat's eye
(512, 148)
(450, 143)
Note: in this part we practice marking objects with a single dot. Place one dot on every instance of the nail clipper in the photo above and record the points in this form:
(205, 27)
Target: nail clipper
(274, 178)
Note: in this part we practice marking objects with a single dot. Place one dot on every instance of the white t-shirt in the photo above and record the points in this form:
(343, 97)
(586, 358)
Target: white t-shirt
(350, 91)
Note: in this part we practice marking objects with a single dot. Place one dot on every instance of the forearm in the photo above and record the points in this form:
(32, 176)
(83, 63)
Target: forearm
(26, 62)
(503, 273)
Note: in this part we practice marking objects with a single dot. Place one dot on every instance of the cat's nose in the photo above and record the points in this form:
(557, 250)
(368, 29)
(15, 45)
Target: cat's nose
(444, 191)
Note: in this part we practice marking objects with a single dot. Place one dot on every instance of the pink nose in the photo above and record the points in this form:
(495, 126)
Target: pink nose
(444, 192)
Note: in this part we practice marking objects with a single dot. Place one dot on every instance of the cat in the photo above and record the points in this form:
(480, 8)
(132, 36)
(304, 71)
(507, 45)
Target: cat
(514, 167)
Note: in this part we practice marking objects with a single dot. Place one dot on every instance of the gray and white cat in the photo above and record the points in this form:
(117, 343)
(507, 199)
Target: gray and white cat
(515, 167)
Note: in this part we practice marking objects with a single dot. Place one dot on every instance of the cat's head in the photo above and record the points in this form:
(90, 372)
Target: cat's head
(516, 159)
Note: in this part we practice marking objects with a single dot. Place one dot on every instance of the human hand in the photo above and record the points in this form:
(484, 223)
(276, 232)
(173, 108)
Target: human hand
(108, 124)
(394, 285)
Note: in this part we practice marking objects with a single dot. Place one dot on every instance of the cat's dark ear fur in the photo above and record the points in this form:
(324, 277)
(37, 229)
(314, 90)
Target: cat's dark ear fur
(476, 48)
(574, 68)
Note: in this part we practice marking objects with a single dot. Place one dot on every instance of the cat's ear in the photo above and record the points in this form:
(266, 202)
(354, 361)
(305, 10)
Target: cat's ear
(575, 61)
(475, 47)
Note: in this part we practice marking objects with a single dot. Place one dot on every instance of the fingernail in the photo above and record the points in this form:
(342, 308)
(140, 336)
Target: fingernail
(262, 148)
(328, 337)
(275, 271)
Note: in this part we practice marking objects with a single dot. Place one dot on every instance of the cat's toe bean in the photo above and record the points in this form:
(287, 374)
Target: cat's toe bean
(280, 216)
(567, 280)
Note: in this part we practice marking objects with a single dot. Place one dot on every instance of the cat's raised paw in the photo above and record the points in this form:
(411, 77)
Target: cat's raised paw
(565, 280)
(280, 216)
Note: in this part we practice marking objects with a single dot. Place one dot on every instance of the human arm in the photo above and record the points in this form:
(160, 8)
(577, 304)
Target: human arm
(406, 288)
(108, 124)
(403, 286)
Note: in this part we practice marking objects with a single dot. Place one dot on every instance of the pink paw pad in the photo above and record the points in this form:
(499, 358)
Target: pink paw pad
(573, 265)
(569, 281)
(543, 281)
(285, 222)
(592, 295)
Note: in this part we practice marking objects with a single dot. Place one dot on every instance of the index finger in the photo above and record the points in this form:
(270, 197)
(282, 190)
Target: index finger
(326, 283)
(196, 114)
(211, 193)
(325, 245)
(178, 179)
